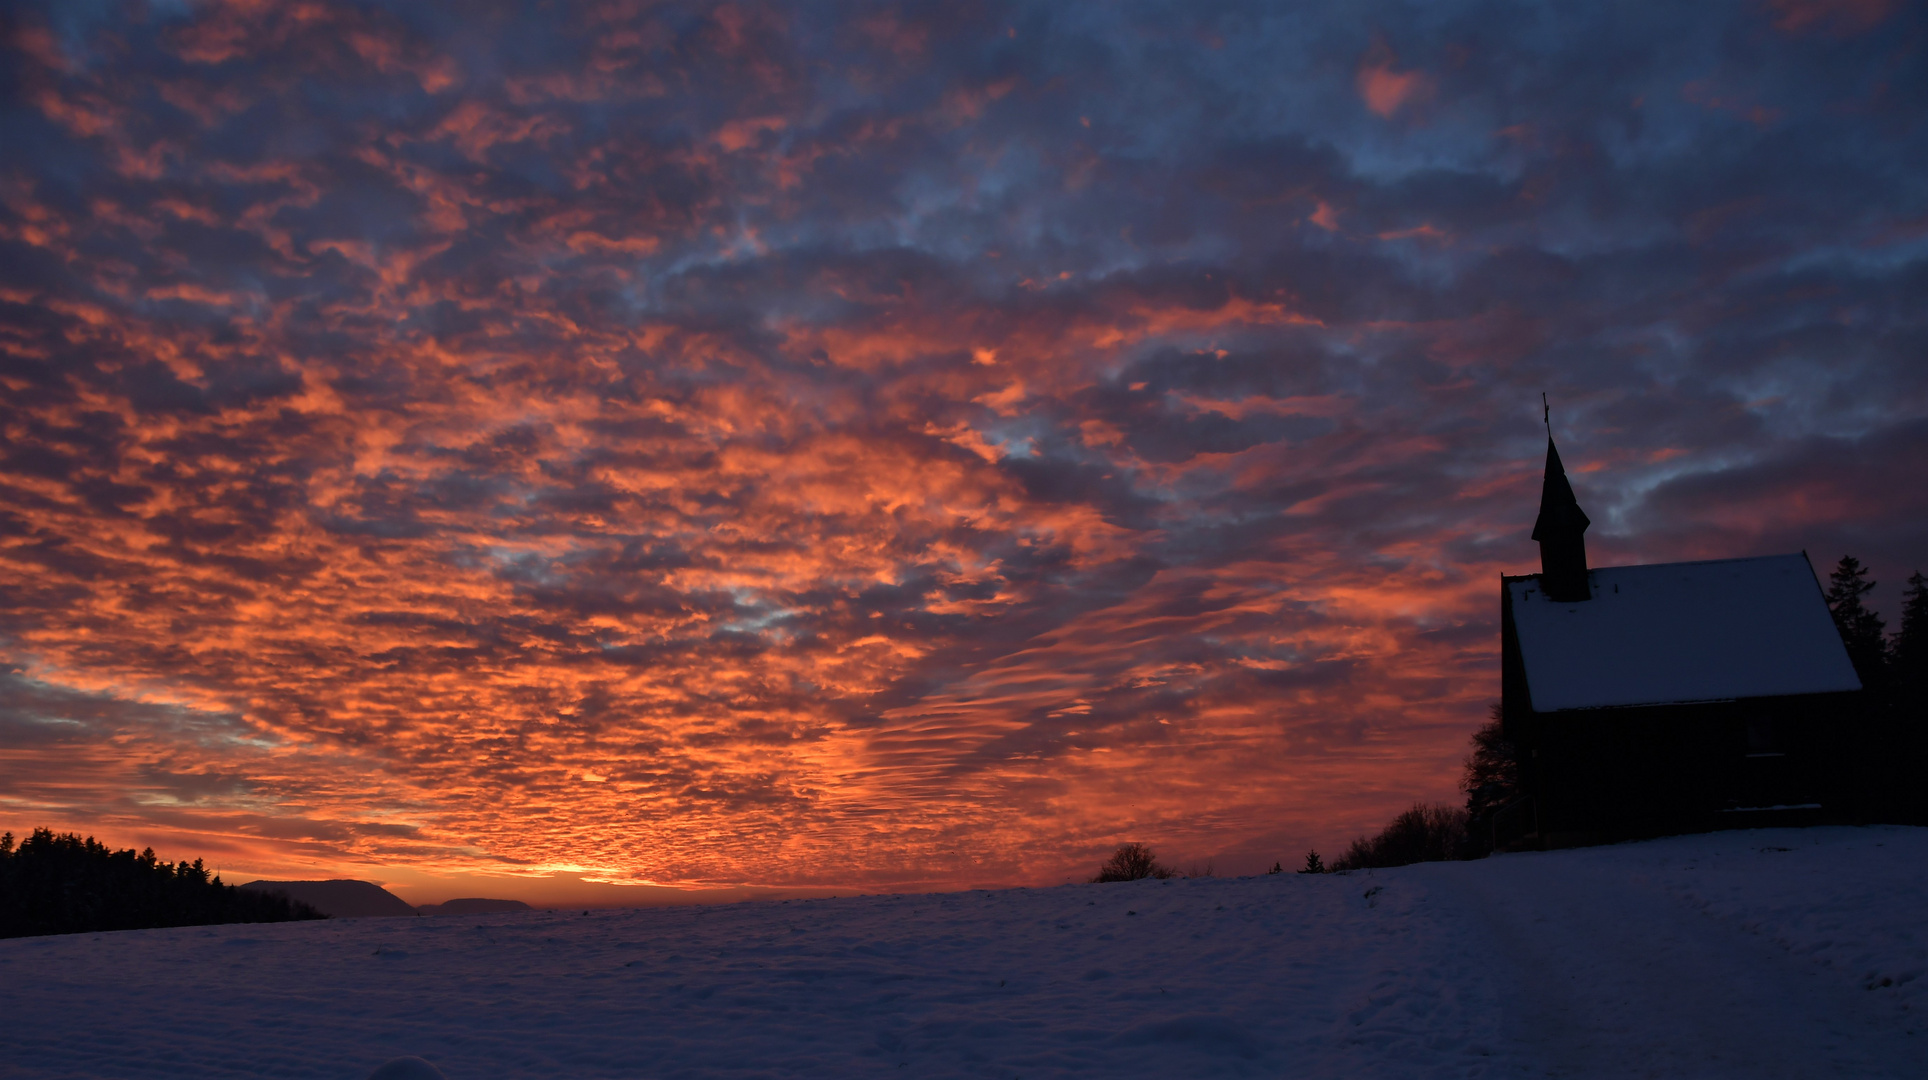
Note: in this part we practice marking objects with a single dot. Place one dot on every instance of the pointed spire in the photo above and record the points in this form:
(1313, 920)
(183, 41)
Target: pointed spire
(1561, 532)
(1559, 511)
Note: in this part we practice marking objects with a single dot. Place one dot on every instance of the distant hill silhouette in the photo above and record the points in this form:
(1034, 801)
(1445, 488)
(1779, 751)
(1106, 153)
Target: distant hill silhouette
(340, 898)
(473, 905)
(58, 883)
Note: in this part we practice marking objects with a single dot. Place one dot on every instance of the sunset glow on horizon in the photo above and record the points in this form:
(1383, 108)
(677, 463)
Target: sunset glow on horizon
(727, 446)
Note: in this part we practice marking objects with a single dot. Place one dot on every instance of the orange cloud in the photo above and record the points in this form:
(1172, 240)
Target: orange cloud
(720, 449)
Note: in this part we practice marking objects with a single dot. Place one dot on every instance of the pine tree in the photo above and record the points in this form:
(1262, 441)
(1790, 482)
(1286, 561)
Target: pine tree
(1910, 652)
(1906, 748)
(1861, 629)
(1313, 864)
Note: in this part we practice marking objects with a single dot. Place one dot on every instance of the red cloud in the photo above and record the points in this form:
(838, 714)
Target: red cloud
(1385, 89)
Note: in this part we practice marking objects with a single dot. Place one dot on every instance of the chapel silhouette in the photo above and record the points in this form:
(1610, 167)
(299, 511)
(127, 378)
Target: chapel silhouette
(1670, 697)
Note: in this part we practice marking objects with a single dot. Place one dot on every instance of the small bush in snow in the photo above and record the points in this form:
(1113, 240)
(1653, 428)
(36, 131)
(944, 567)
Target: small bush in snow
(1132, 862)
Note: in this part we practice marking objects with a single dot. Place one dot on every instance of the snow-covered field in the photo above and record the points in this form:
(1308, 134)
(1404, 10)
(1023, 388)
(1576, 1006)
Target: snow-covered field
(1773, 953)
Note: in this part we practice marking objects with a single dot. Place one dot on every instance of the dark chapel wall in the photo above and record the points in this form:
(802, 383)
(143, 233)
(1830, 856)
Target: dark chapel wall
(1603, 774)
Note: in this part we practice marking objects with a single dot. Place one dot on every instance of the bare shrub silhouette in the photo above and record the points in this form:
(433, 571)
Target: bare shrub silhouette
(1132, 862)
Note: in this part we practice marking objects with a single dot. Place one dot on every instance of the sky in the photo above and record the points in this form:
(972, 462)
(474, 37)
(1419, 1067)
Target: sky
(604, 449)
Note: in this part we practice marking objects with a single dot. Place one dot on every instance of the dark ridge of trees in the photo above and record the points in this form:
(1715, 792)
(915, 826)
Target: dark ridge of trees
(58, 883)
(339, 898)
(1421, 834)
(1132, 862)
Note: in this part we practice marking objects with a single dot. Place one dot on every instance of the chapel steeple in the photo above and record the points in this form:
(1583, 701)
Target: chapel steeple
(1561, 530)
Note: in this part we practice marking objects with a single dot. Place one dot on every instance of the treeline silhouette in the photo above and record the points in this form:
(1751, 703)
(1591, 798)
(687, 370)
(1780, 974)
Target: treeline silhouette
(1421, 834)
(1886, 663)
(1490, 780)
(58, 883)
(1893, 742)
(1894, 675)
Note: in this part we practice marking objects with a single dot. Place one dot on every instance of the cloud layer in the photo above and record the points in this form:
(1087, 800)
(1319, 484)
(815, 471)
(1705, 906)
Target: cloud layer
(898, 448)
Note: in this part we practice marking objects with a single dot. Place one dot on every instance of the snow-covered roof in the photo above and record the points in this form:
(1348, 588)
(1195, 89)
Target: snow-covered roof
(1672, 632)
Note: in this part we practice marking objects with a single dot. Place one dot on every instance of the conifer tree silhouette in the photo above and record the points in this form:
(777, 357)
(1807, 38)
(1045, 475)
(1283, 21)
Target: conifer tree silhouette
(1910, 651)
(58, 883)
(1861, 629)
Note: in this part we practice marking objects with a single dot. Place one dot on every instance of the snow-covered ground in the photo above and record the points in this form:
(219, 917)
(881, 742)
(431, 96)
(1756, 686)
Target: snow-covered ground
(1772, 953)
